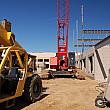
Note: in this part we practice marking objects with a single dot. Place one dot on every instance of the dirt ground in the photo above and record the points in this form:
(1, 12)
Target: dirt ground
(64, 94)
(67, 94)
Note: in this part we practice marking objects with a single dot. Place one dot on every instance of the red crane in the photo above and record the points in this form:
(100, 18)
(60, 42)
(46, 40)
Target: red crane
(62, 33)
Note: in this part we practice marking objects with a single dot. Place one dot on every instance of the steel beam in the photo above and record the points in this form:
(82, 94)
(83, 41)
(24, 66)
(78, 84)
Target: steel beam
(89, 40)
(95, 31)
(84, 45)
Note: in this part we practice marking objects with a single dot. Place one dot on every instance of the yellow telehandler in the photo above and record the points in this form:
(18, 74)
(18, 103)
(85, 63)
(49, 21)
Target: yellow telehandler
(17, 75)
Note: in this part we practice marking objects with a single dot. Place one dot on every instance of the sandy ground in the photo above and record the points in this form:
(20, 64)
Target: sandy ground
(66, 94)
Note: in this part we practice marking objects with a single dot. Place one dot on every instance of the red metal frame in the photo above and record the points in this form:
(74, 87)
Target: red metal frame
(62, 33)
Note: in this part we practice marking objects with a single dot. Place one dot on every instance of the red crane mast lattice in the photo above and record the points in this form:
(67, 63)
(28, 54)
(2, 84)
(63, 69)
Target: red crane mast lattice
(62, 33)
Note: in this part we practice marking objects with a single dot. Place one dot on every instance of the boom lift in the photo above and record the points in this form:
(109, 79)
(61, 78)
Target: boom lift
(16, 73)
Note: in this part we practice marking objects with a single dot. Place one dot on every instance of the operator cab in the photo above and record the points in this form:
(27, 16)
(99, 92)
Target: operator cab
(10, 72)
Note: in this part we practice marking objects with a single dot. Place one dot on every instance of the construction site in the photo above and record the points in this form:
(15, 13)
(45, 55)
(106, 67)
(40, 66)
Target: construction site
(36, 76)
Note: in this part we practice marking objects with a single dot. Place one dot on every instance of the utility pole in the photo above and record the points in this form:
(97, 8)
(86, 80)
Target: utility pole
(82, 16)
(77, 36)
(73, 39)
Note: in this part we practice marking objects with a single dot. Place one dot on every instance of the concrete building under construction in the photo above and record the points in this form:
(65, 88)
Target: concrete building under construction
(96, 61)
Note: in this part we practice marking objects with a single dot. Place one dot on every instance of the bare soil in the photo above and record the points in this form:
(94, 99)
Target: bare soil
(67, 94)
(64, 94)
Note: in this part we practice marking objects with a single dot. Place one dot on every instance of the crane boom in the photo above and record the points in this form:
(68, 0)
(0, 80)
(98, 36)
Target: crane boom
(62, 33)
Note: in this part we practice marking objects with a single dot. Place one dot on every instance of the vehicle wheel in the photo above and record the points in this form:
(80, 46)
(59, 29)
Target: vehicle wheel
(99, 102)
(33, 88)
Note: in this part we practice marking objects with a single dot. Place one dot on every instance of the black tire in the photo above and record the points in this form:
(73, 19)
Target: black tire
(100, 102)
(33, 88)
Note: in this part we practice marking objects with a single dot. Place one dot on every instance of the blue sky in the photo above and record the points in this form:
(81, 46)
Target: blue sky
(34, 21)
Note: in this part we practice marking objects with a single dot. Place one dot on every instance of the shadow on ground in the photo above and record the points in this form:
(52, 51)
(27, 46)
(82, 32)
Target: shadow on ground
(21, 103)
(108, 104)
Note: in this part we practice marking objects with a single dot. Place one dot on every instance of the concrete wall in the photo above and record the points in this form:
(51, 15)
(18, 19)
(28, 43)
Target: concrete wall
(84, 61)
(97, 62)
(102, 62)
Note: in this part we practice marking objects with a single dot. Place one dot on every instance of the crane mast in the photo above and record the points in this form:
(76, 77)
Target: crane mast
(62, 33)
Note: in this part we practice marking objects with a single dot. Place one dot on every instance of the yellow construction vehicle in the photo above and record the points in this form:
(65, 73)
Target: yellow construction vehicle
(17, 76)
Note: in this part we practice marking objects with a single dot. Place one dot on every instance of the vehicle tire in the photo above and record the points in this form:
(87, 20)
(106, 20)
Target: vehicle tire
(100, 102)
(33, 88)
